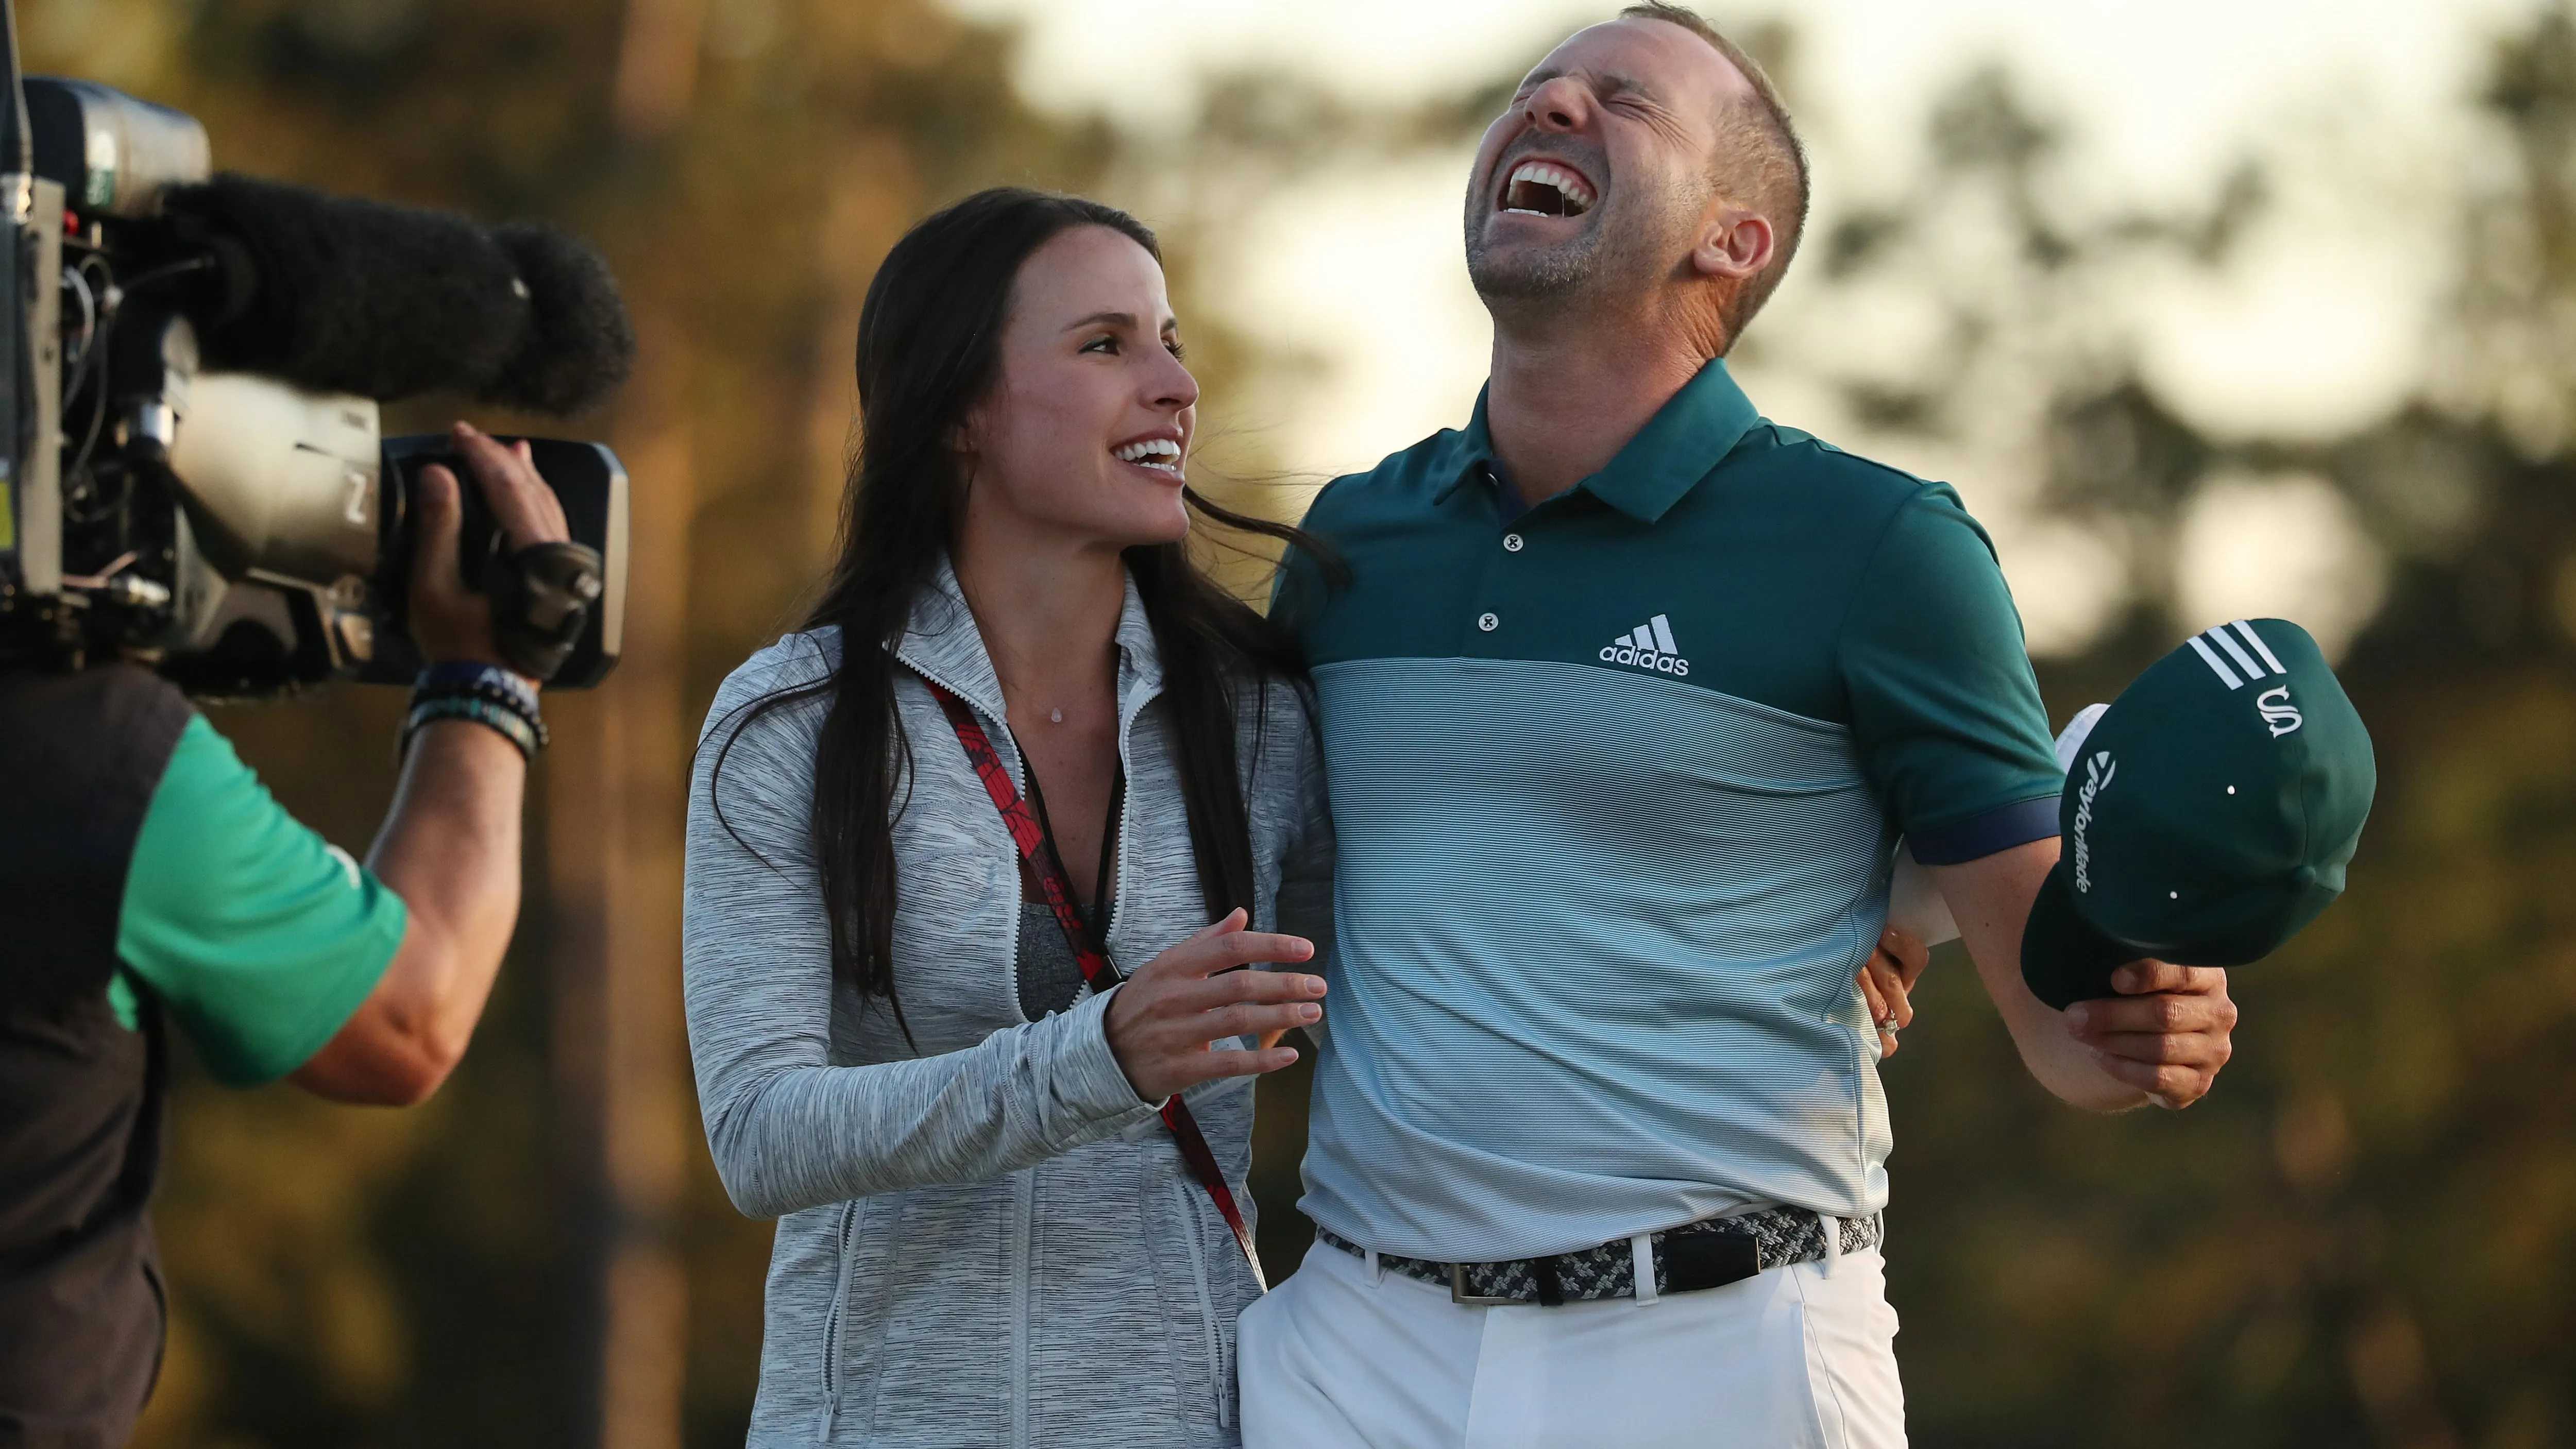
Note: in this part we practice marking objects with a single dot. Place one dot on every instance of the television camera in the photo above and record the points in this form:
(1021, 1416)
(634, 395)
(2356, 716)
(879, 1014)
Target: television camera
(192, 468)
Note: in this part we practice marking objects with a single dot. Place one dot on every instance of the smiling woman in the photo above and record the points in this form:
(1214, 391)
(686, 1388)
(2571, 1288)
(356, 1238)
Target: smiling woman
(1078, 450)
(1022, 746)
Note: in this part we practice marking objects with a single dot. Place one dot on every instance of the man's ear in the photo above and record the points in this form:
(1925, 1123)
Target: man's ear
(1735, 245)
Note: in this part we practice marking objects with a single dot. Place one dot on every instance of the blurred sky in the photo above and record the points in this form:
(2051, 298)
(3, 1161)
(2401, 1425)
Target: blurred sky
(2325, 319)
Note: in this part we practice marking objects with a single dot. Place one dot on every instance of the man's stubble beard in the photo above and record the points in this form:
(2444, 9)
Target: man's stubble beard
(1618, 256)
(1528, 274)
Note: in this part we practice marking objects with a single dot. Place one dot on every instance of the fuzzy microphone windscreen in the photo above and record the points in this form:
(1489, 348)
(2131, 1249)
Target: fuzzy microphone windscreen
(359, 296)
(578, 345)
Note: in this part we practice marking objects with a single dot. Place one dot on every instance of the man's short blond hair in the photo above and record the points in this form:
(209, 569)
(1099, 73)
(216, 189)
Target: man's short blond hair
(1762, 165)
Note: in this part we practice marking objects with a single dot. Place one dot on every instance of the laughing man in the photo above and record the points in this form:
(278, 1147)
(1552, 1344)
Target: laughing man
(1624, 702)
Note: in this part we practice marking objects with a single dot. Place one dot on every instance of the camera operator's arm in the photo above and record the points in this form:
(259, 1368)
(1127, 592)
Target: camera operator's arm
(450, 847)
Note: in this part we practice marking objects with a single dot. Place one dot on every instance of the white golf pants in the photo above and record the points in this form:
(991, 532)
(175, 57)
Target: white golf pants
(1342, 1356)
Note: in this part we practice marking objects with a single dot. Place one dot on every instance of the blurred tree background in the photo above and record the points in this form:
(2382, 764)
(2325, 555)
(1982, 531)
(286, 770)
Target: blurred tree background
(2365, 1237)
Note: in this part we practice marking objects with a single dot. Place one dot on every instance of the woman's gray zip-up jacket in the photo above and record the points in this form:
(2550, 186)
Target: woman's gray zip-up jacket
(989, 1240)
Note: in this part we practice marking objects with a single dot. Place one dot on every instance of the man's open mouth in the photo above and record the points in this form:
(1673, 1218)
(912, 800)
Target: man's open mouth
(1540, 188)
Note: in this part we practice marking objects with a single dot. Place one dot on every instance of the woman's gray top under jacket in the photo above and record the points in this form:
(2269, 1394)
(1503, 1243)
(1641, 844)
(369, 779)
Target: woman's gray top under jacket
(989, 1241)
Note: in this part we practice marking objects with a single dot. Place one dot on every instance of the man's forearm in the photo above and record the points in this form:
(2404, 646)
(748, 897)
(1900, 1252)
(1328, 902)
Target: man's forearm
(1991, 899)
(450, 849)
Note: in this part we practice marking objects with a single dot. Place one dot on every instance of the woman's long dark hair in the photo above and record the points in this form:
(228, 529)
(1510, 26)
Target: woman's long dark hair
(929, 351)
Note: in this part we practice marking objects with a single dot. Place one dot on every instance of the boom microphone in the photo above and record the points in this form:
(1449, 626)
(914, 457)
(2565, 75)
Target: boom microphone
(340, 294)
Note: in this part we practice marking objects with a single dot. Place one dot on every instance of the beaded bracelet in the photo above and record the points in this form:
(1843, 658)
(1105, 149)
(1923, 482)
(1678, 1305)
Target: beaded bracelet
(501, 718)
(485, 694)
(489, 681)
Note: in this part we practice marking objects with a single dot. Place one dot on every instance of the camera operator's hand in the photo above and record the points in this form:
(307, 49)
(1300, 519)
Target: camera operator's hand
(448, 620)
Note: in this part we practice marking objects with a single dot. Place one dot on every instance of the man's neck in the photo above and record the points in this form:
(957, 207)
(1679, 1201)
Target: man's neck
(1048, 610)
(1566, 396)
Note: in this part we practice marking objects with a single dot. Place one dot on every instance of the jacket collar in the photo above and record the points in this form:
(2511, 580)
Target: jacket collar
(943, 645)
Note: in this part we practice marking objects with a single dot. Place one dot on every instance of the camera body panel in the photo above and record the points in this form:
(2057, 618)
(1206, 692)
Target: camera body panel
(31, 504)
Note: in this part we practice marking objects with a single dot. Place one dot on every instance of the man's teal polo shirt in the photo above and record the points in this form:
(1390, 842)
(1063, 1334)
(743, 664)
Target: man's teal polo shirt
(1615, 782)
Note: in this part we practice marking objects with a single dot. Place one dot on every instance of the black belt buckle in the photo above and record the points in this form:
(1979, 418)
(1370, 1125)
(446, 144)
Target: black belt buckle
(1693, 1261)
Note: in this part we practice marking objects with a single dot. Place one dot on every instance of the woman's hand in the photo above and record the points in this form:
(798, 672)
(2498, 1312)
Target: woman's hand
(1163, 1018)
(1890, 975)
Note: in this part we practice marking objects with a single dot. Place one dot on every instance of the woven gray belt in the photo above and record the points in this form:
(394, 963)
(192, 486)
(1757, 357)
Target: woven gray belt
(1709, 1253)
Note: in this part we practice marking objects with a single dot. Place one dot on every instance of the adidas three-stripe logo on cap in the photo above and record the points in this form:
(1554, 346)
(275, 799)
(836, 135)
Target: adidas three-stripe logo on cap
(1648, 646)
(2280, 714)
(2227, 641)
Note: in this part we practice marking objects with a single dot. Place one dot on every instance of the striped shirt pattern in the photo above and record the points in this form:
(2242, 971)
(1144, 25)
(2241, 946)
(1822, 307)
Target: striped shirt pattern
(1580, 1005)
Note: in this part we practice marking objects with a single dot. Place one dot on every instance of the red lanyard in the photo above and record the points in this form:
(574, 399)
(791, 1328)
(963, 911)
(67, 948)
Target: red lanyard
(1048, 869)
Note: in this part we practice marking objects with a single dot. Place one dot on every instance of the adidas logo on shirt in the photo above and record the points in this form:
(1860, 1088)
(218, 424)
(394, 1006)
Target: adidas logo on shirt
(1648, 646)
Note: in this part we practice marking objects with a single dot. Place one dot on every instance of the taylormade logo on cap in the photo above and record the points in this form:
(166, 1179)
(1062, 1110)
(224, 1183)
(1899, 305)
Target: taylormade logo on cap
(2098, 770)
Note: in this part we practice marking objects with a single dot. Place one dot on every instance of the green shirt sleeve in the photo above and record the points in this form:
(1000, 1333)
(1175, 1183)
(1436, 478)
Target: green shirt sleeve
(1945, 710)
(259, 937)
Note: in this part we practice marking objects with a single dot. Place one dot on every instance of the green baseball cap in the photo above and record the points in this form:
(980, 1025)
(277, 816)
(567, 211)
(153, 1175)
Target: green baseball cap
(2207, 816)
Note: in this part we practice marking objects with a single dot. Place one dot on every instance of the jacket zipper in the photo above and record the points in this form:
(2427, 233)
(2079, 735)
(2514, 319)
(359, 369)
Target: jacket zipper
(1122, 857)
(1024, 1209)
(1192, 1228)
(832, 1320)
